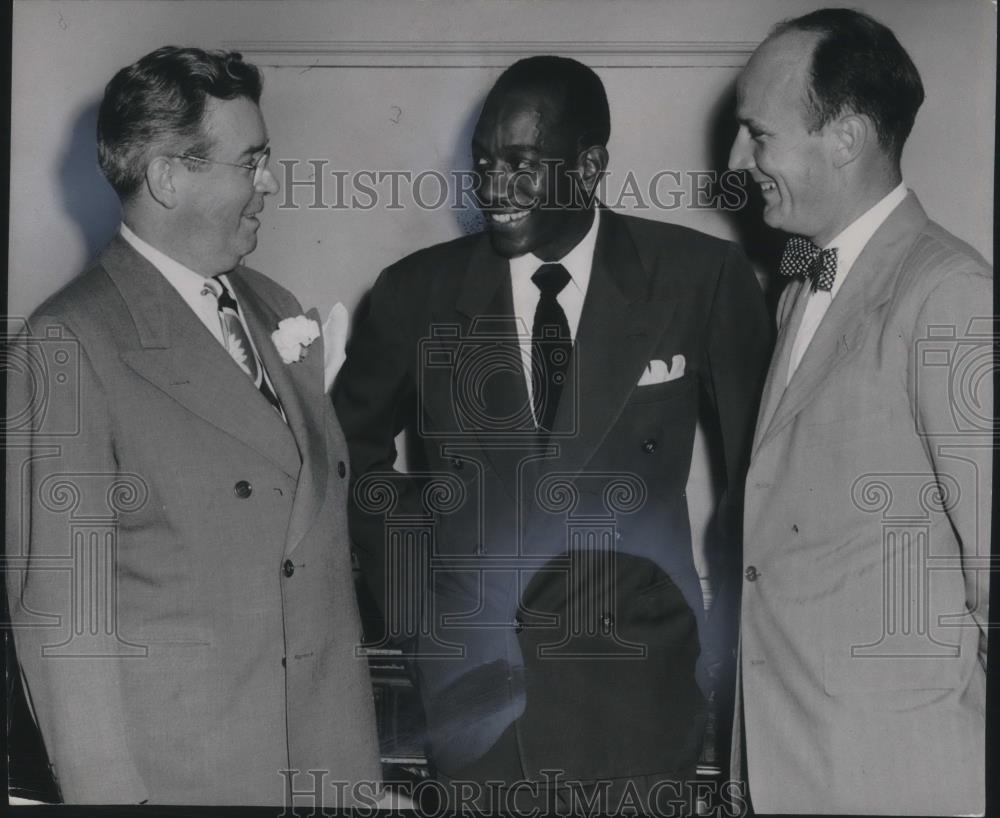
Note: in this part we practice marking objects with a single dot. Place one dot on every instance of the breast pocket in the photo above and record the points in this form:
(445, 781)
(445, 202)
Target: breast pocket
(659, 392)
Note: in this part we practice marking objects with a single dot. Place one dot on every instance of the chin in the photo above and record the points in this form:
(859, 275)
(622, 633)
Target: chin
(508, 246)
(247, 247)
(773, 218)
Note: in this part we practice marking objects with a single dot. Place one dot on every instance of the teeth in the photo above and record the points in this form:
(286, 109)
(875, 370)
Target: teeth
(507, 218)
(767, 186)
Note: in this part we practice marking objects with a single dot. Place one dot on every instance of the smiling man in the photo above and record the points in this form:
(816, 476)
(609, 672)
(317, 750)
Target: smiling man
(537, 561)
(178, 567)
(863, 641)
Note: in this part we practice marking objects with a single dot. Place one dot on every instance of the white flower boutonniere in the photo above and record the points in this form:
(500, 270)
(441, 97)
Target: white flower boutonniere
(292, 336)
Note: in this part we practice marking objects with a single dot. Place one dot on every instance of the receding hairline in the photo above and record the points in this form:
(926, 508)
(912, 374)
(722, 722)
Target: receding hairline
(794, 64)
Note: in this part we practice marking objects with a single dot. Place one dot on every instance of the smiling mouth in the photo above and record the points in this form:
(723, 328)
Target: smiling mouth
(766, 187)
(508, 219)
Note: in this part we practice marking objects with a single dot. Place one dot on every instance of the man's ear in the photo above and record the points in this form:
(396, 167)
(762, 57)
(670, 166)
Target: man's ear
(852, 133)
(592, 163)
(160, 181)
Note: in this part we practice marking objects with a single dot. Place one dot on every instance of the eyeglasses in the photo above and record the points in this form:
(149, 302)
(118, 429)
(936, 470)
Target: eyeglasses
(255, 168)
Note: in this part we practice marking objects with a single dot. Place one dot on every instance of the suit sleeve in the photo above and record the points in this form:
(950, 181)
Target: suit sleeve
(373, 396)
(60, 462)
(950, 389)
(738, 349)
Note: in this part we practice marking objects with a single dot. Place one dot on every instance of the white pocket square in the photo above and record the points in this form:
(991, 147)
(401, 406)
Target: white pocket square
(334, 343)
(657, 371)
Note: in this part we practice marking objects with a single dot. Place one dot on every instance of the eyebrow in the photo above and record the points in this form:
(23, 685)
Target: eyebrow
(481, 148)
(255, 148)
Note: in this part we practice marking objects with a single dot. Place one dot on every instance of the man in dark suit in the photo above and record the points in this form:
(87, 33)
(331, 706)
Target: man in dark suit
(177, 559)
(863, 638)
(539, 552)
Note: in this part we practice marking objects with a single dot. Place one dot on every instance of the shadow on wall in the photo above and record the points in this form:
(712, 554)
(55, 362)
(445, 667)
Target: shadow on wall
(468, 217)
(762, 244)
(87, 197)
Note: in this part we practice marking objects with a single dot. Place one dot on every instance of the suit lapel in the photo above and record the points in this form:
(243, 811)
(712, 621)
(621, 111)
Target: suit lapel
(179, 356)
(485, 304)
(299, 387)
(619, 329)
(777, 373)
(868, 286)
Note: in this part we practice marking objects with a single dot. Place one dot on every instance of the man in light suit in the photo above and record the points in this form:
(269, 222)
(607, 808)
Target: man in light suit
(868, 496)
(177, 558)
(539, 550)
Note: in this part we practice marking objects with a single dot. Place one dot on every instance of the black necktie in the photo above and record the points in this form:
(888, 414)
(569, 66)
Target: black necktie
(802, 257)
(238, 342)
(551, 345)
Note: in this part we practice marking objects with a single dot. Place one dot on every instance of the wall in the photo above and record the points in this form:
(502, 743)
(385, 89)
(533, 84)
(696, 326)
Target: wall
(339, 74)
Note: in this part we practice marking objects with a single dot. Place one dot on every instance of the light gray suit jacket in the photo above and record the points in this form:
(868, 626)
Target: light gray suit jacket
(177, 557)
(867, 538)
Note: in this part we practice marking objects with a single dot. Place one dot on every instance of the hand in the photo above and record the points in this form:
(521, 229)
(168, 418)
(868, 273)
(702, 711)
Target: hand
(334, 343)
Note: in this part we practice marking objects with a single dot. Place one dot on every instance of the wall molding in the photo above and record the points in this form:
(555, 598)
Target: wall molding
(491, 54)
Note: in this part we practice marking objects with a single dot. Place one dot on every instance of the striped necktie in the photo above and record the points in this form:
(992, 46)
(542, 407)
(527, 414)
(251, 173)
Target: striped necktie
(237, 342)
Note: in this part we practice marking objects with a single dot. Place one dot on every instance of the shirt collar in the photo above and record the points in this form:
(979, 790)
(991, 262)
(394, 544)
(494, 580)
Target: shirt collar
(183, 278)
(578, 262)
(853, 238)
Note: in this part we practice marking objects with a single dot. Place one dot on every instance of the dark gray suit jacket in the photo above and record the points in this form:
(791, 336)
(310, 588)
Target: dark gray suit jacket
(559, 587)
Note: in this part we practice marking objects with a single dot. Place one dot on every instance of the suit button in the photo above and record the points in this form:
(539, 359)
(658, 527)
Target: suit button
(518, 624)
(456, 462)
(795, 528)
(649, 445)
(288, 568)
(607, 621)
(243, 489)
(283, 663)
(341, 468)
(751, 573)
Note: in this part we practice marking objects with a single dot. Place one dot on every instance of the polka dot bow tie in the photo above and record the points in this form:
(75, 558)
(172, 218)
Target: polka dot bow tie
(802, 257)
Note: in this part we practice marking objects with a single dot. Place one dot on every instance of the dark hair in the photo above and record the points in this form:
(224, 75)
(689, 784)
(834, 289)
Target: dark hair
(858, 65)
(158, 103)
(578, 91)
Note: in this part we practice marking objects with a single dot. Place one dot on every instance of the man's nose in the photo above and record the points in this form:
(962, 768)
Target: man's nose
(491, 187)
(741, 155)
(267, 182)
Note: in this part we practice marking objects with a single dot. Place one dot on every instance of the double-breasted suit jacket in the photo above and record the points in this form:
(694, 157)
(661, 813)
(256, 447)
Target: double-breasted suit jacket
(867, 519)
(561, 599)
(178, 565)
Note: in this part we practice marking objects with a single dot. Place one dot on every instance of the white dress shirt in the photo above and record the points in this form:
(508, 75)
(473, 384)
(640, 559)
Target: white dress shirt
(578, 263)
(191, 287)
(849, 244)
